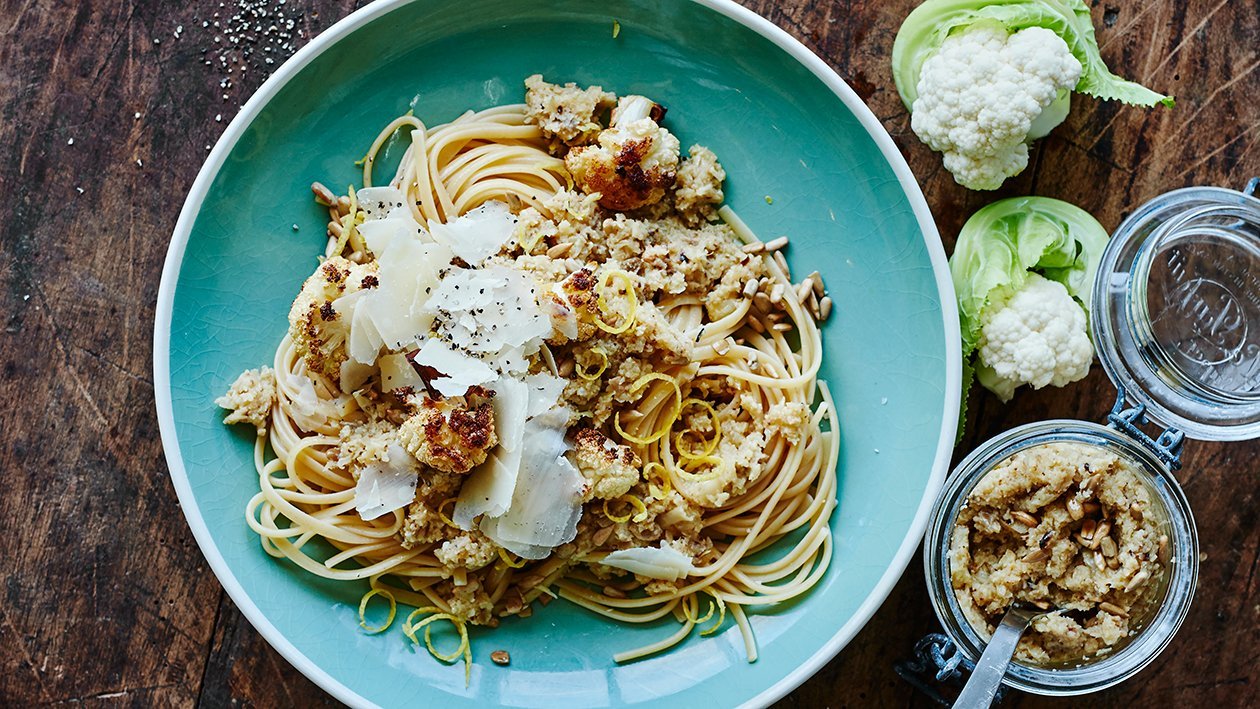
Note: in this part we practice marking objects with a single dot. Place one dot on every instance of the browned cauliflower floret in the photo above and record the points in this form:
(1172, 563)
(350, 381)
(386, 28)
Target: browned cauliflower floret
(636, 159)
(610, 469)
(699, 186)
(250, 397)
(471, 551)
(567, 115)
(452, 434)
(318, 330)
(573, 299)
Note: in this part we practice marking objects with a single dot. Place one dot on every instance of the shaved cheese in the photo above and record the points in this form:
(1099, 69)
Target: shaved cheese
(547, 502)
(479, 234)
(490, 528)
(377, 202)
(560, 310)
(460, 370)
(490, 310)
(408, 275)
(663, 562)
(511, 406)
(488, 489)
(386, 486)
(397, 372)
(309, 411)
(544, 392)
(353, 374)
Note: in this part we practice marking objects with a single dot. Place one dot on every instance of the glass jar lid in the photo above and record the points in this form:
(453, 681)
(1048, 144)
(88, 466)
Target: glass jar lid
(1176, 311)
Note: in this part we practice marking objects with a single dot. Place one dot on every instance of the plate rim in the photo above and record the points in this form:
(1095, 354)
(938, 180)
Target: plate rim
(333, 34)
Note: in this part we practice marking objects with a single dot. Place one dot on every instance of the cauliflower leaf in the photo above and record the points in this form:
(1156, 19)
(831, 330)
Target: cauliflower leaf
(1009, 247)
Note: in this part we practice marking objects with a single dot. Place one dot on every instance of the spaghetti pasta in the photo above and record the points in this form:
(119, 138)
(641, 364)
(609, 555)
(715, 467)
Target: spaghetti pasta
(718, 441)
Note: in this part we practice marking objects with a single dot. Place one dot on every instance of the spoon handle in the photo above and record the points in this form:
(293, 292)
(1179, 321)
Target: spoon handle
(991, 668)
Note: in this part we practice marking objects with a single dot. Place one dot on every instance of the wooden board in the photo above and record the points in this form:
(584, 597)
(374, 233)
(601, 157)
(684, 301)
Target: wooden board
(106, 115)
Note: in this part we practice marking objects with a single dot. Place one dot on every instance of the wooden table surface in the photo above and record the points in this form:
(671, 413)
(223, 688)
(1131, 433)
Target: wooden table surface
(106, 112)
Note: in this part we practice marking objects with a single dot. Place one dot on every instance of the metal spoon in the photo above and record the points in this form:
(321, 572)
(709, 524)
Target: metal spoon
(991, 668)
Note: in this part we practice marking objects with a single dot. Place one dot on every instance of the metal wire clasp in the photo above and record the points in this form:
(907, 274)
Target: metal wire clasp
(1128, 421)
(937, 660)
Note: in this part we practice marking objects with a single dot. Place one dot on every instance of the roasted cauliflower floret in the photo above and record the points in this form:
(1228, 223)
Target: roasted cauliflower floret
(636, 159)
(610, 469)
(250, 398)
(567, 115)
(453, 434)
(572, 305)
(698, 190)
(318, 330)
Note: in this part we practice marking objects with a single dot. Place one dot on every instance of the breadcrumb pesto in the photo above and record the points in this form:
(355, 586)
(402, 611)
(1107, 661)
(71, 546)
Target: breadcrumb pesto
(1064, 526)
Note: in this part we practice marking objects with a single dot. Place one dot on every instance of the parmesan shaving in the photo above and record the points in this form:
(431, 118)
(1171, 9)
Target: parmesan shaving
(386, 486)
(479, 234)
(664, 562)
(490, 310)
(488, 490)
(397, 372)
(378, 202)
(547, 501)
(460, 371)
(544, 392)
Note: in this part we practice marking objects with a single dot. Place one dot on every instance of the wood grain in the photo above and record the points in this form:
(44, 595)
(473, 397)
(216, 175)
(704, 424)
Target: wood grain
(107, 601)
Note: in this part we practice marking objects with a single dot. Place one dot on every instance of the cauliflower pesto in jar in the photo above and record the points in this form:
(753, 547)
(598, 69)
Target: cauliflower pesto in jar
(1068, 527)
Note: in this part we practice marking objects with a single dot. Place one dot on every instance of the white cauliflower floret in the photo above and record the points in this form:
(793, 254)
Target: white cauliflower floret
(636, 159)
(250, 398)
(318, 330)
(1037, 336)
(980, 95)
(610, 469)
(566, 114)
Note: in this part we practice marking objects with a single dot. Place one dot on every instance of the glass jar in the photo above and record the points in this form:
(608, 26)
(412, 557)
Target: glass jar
(1176, 321)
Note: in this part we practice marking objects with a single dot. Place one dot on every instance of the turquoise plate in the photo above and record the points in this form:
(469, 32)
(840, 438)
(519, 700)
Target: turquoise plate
(805, 158)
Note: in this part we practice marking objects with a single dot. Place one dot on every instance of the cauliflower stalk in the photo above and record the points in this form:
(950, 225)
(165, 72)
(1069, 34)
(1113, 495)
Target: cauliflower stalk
(1024, 271)
(983, 78)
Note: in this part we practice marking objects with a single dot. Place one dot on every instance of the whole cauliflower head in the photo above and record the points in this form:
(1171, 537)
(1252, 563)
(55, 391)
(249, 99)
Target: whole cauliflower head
(1035, 336)
(980, 95)
(636, 159)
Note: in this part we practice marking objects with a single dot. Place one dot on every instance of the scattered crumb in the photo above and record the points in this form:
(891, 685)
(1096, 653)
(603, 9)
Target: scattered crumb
(769, 199)
(883, 401)
(500, 657)
(70, 142)
(616, 29)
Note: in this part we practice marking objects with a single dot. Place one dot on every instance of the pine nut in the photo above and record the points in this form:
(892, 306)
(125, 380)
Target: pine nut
(804, 290)
(323, 195)
(1113, 609)
(560, 250)
(776, 244)
(1024, 518)
(824, 308)
(755, 247)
